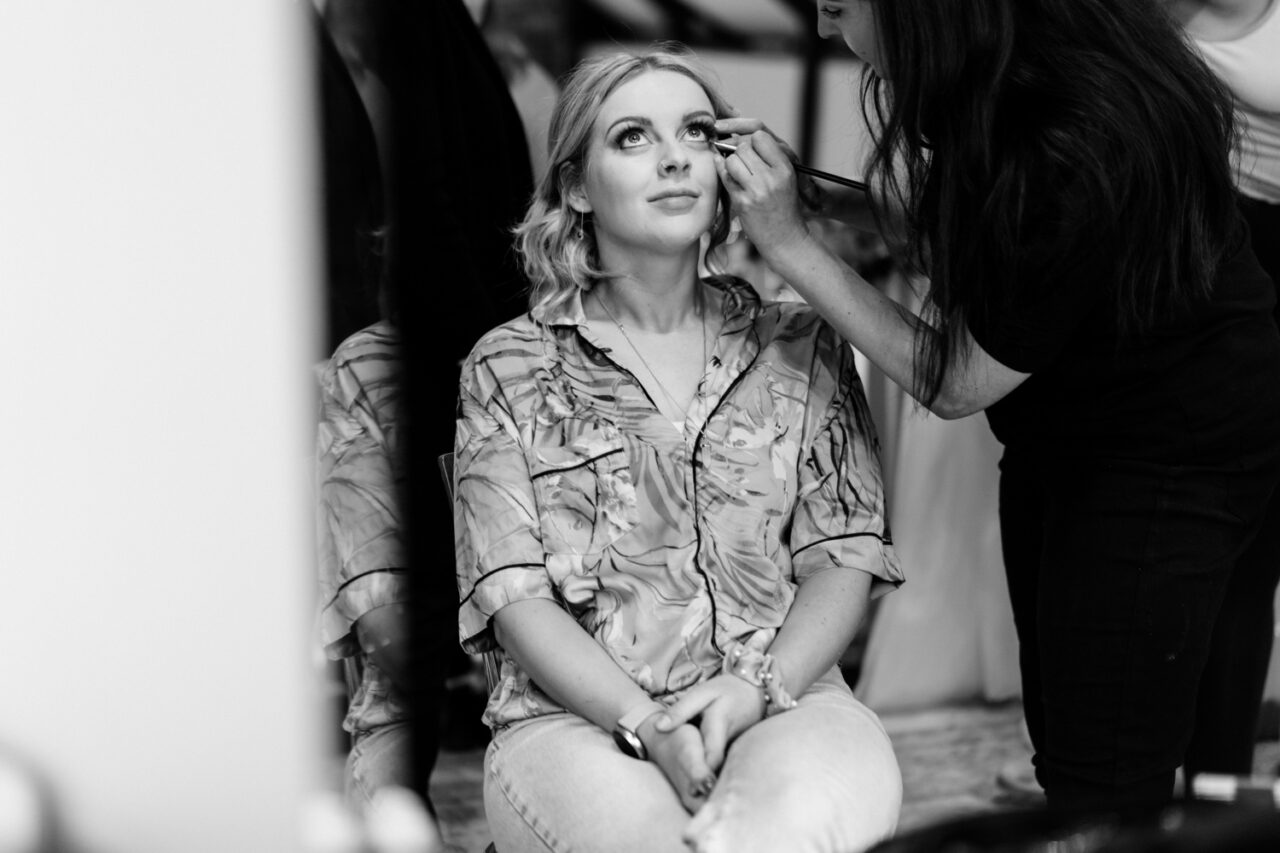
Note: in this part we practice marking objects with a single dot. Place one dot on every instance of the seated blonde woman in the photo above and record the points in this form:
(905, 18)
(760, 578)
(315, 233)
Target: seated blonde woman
(669, 513)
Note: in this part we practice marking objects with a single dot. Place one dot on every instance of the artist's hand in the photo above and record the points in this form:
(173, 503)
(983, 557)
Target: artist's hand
(727, 705)
(762, 184)
(744, 127)
(679, 753)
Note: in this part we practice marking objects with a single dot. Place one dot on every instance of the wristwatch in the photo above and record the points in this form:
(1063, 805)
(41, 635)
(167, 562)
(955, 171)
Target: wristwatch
(624, 731)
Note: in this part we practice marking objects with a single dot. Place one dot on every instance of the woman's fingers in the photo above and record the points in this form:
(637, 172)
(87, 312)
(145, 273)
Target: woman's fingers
(682, 758)
(693, 760)
(685, 709)
(739, 707)
(725, 706)
(715, 736)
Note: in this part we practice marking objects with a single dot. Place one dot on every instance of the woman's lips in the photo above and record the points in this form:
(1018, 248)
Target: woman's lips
(675, 203)
(675, 200)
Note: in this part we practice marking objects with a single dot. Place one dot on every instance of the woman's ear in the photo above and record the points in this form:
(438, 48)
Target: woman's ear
(572, 190)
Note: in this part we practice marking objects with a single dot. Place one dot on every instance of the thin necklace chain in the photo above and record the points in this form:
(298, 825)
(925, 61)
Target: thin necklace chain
(702, 321)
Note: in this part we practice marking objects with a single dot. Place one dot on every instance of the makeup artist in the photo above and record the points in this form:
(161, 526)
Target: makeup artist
(1061, 173)
(1240, 42)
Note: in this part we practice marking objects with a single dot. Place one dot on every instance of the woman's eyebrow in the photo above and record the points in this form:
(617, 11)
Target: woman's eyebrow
(645, 122)
(640, 120)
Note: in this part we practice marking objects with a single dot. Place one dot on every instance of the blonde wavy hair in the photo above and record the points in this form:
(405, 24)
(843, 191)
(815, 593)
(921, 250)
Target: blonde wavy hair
(555, 243)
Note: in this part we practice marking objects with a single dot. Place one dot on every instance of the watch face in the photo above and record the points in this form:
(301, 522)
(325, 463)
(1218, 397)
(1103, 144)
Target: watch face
(629, 743)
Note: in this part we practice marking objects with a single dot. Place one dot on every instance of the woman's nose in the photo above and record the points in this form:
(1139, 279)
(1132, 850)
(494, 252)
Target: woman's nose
(674, 160)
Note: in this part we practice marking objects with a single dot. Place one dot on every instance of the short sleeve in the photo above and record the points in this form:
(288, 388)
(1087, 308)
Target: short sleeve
(360, 546)
(839, 520)
(498, 537)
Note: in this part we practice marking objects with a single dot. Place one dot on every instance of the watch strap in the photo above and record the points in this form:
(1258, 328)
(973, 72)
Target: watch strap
(632, 719)
(624, 731)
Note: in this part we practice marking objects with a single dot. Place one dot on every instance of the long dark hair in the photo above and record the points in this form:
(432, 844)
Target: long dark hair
(997, 108)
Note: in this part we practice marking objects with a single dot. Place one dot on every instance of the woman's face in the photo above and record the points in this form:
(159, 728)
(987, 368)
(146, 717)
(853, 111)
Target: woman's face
(650, 178)
(853, 21)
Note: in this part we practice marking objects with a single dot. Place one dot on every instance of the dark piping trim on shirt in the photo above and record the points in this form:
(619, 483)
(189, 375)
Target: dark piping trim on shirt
(481, 579)
(834, 538)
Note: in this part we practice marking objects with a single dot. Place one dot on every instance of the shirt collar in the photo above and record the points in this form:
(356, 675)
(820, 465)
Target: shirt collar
(567, 313)
(743, 303)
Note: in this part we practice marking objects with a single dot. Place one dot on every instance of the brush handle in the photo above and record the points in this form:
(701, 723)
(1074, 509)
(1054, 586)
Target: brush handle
(727, 148)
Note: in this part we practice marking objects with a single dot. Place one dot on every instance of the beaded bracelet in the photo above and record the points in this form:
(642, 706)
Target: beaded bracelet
(761, 670)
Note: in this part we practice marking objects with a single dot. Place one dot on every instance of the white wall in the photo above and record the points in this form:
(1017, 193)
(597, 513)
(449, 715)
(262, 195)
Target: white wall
(156, 254)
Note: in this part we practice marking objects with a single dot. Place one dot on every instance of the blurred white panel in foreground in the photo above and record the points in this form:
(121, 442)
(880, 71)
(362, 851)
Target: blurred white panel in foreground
(160, 290)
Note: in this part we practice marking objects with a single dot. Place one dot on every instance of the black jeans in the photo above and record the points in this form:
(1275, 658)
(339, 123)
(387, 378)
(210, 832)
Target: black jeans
(1134, 586)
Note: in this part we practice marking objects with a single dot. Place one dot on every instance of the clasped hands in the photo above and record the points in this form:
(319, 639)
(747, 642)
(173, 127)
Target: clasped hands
(688, 742)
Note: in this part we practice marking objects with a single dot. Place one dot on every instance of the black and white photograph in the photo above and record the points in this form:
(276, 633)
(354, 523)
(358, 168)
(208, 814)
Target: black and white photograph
(641, 426)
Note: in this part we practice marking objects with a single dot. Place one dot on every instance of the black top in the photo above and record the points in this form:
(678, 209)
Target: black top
(1201, 387)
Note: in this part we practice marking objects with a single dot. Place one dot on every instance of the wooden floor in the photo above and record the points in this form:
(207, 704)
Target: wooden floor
(950, 760)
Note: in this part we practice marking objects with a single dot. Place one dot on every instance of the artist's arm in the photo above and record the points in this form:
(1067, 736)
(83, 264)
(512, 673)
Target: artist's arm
(761, 186)
(885, 331)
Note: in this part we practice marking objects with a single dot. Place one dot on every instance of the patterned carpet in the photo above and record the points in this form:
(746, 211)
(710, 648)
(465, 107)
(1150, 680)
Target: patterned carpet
(950, 760)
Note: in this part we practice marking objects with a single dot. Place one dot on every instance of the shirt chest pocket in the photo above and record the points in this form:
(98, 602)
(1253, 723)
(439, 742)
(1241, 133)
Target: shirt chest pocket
(582, 484)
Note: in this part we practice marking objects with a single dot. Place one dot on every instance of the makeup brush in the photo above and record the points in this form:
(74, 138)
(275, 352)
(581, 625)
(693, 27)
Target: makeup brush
(727, 148)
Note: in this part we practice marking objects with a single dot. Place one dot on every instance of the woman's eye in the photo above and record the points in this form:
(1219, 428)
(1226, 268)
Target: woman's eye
(831, 12)
(630, 138)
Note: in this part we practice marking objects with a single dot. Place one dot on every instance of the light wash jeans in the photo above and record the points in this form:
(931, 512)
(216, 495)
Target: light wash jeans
(820, 778)
(378, 758)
